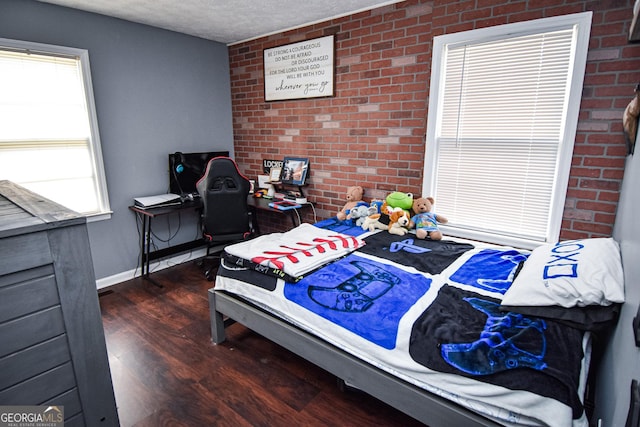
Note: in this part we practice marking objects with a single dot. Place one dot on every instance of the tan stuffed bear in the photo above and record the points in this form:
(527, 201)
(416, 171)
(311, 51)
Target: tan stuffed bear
(425, 221)
(354, 195)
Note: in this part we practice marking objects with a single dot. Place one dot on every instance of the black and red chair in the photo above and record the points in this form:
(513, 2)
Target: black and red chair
(226, 216)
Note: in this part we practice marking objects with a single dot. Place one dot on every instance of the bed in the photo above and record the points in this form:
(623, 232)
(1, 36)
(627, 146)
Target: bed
(451, 332)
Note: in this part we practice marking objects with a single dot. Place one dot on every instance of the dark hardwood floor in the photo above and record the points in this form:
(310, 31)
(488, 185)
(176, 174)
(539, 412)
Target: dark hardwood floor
(166, 371)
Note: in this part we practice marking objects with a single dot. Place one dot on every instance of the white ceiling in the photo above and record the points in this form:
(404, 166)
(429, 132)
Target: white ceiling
(225, 21)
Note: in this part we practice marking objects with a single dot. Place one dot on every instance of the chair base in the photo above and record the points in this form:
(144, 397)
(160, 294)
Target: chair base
(210, 264)
(214, 254)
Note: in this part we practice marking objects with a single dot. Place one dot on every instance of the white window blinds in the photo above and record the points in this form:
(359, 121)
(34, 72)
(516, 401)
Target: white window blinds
(47, 140)
(500, 127)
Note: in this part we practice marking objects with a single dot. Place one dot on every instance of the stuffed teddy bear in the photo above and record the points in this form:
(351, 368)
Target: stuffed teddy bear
(354, 195)
(425, 221)
(399, 221)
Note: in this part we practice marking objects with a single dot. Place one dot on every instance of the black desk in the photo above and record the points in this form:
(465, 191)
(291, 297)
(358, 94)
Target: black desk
(262, 204)
(147, 255)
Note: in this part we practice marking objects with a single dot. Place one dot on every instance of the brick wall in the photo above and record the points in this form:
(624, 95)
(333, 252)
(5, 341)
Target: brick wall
(372, 133)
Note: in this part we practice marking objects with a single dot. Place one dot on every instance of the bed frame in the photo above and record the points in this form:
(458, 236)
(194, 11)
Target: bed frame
(433, 410)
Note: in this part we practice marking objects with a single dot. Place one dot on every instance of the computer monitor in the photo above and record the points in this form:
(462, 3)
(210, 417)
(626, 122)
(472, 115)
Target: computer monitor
(294, 170)
(185, 169)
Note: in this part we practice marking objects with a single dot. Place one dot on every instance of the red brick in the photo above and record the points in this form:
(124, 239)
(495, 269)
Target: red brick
(593, 229)
(540, 4)
(509, 8)
(602, 162)
(632, 64)
(604, 218)
(475, 14)
(578, 214)
(564, 10)
(573, 235)
(596, 206)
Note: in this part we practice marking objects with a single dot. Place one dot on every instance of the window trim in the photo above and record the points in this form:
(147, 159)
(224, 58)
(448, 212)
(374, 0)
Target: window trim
(581, 22)
(95, 144)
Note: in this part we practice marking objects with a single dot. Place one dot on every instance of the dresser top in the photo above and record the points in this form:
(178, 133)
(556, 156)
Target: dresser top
(23, 211)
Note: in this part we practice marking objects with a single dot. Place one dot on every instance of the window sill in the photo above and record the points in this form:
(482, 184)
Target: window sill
(99, 216)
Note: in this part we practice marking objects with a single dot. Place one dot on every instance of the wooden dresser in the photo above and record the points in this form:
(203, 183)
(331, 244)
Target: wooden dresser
(52, 345)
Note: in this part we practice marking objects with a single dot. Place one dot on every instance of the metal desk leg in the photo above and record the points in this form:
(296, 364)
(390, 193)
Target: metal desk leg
(145, 249)
(254, 220)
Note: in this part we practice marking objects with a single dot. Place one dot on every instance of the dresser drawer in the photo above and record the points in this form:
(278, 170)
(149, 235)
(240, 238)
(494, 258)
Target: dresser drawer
(24, 252)
(35, 360)
(40, 388)
(27, 292)
(24, 332)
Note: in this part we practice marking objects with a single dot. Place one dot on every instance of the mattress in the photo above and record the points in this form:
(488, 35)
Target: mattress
(427, 312)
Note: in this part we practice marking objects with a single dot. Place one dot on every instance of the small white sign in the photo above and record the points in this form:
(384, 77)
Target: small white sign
(299, 70)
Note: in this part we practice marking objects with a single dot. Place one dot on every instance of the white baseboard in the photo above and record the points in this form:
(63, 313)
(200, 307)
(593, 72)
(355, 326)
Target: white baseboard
(105, 282)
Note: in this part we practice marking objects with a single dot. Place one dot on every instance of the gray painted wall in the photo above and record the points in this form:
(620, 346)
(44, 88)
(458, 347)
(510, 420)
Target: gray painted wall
(621, 361)
(156, 92)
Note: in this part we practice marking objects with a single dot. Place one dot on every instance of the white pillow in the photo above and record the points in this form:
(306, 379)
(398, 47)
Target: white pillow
(569, 274)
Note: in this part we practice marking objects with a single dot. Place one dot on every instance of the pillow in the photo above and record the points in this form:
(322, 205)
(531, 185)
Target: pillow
(573, 273)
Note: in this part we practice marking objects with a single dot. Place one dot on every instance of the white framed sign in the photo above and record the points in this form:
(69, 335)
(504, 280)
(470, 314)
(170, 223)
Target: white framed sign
(300, 70)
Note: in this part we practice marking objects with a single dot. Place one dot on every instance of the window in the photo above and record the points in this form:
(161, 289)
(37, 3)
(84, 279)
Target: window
(503, 112)
(49, 140)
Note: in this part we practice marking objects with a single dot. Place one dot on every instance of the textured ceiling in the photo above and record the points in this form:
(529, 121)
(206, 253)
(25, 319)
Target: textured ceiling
(225, 21)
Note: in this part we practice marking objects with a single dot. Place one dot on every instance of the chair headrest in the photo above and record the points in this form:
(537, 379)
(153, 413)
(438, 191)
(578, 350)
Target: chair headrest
(221, 172)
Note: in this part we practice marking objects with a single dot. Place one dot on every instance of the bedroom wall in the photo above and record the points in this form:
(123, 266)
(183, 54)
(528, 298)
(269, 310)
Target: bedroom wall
(156, 92)
(621, 361)
(372, 133)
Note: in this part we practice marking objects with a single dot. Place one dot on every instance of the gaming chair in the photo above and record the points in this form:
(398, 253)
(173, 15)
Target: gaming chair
(226, 217)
